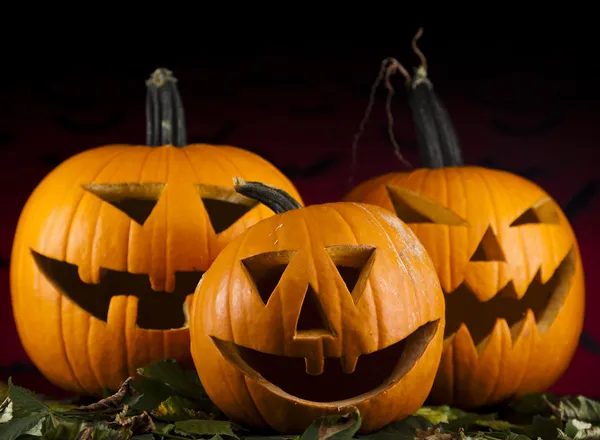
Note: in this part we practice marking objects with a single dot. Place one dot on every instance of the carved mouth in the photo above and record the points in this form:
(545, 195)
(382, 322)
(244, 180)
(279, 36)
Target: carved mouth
(341, 380)
(543, 299)
(156, 310)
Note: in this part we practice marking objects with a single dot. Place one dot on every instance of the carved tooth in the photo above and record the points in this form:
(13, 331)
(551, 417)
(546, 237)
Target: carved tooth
(186, 314)
(315, 366)
(348, 363)
(524, 330)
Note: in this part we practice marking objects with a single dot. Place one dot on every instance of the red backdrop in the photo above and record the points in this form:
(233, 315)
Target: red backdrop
(301, 112)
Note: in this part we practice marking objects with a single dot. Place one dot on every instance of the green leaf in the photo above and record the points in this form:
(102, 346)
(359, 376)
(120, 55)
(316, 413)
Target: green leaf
(153, 393)
(177, 408)
(440, 414)
(468, 420)
(498, 425)
(19, 426)
(545, 428)
(3, 390)
(185, 383)
(334, 427)
(580, 408)
(63, 431)
(401, 430)
(205, 427)
(535, 404)
(24, 401)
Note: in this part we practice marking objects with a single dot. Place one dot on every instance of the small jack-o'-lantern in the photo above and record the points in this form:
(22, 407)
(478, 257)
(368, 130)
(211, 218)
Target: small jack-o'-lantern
(507, 260)
(317, 310)
(113, 241)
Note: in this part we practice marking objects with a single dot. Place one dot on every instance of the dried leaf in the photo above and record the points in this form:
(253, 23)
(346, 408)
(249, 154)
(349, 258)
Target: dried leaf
(432, 434)
(580, 408)
(113, 402)
(136, 425)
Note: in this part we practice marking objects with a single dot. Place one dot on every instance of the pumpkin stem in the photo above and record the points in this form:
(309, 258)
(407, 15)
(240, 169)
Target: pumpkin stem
(277, 200)
(165, 121)
(389, 66)
(438, 143)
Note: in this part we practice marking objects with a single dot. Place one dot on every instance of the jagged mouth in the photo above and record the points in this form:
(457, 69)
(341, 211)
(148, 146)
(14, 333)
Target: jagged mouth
(339, 381)
(543, 299)
(156, 310)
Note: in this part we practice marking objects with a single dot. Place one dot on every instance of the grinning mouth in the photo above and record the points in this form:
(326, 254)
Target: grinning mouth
(543, 299)
(157, 310)
(341, 379)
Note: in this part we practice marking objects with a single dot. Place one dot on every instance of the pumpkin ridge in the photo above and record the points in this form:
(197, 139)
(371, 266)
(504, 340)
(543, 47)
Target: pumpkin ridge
(61, 299)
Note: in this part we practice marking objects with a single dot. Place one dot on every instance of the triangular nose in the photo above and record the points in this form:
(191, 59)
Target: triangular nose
(312, 321)
(489, 248)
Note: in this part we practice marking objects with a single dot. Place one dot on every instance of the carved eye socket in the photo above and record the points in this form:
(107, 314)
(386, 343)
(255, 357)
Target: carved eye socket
(354, 264)
(136, 200)
(264, 271)
(542, 211)
(411, 207)
(223, 205)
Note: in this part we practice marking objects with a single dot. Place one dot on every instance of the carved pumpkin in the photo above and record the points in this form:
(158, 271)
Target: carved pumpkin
(316, 310)
(112, 243)
(506, 256)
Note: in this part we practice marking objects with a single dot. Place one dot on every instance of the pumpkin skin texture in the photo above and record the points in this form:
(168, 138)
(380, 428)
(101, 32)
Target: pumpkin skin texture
(490, 235)
(317, 310)
(112, 243)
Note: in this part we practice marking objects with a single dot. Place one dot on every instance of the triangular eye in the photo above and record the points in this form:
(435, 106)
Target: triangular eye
(137, 200)
(543, 211)
(264, 271)
(489, 248)
(224, 206)
(411, 207)
(354, 264)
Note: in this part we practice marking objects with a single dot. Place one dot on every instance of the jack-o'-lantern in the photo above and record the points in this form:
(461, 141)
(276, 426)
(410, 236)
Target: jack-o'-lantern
(317, 310)
(112, 243)
(507, 259)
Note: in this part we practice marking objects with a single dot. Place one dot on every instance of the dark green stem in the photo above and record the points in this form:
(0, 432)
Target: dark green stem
(438, 143)
(165, 118)
(277, 200)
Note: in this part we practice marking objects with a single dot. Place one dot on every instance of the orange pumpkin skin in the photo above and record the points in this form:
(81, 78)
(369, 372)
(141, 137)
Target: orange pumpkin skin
(68, 220)
(235, 316)
(533, 352)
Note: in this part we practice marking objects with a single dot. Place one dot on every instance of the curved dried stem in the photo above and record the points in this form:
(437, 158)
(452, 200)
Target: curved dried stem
(394, 67)
(417, 51)
(389, 66)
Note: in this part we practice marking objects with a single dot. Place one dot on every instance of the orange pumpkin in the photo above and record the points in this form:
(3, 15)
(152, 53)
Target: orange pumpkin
(317, 310)
(507, 259)
(111, 245)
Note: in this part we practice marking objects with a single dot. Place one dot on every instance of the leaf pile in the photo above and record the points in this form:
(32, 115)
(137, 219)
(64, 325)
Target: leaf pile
(166, 402)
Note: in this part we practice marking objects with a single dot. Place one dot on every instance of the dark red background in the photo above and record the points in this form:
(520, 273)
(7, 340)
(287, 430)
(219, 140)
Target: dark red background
(526, 104)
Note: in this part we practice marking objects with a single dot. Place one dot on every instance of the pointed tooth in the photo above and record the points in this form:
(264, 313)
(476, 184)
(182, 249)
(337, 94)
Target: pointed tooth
(524, 330)
(186, 314)
(348, 363)
(315, 366)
